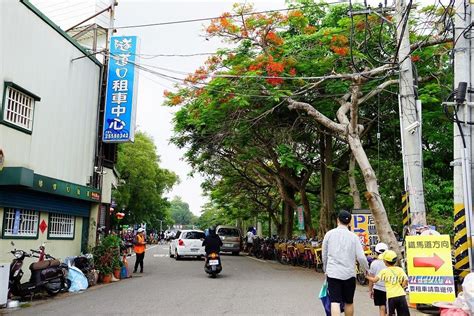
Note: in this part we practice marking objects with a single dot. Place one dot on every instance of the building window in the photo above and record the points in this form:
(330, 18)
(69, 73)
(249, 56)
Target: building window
(20, 223)
(18, 107)
(61, 226)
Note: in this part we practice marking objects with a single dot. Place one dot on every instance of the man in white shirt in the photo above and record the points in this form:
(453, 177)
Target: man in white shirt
(341, 248)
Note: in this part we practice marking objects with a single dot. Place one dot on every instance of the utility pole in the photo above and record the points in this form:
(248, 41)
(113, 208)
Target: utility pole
(410, 120)
(463, 72)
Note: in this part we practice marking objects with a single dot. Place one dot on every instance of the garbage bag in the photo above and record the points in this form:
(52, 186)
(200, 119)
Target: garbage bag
(78, 280)
(468, 290)
(453, 312)
(324, 296)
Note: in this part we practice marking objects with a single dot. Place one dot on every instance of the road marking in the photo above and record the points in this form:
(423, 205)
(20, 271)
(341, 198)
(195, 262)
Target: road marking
(160, 255)
(260, 260)
(133, 255)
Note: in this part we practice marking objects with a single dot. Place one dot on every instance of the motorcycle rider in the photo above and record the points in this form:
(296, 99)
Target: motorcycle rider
(212, 242)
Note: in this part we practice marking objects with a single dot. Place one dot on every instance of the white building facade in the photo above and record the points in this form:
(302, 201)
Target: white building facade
(49, 99)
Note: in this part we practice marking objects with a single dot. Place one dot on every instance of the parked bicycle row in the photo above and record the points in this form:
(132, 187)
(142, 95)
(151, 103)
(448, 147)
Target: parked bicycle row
(297, 252)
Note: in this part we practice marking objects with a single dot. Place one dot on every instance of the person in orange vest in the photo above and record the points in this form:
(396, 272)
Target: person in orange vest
(139, 248)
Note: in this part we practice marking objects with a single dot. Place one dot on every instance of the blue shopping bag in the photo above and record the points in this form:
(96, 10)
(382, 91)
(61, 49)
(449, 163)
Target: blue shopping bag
(325, 299)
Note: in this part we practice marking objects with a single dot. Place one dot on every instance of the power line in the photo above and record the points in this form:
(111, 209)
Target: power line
(230, 16)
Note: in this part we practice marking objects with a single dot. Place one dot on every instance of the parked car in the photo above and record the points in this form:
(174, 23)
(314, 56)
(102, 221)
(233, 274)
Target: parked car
(187, 243)
(231, 239)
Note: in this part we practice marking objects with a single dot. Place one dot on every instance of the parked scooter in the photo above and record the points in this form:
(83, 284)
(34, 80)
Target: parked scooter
(213, 264)
(46, 275)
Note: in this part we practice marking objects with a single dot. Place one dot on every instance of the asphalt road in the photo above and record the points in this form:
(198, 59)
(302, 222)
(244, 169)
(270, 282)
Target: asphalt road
(246, 286)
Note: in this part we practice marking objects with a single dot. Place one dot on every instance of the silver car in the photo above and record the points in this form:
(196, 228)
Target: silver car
(231, 239)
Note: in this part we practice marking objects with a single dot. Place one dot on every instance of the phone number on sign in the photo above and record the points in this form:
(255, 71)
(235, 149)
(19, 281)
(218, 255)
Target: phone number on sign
(115, 136)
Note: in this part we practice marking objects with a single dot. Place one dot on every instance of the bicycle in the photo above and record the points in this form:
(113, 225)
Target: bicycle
(318, 259)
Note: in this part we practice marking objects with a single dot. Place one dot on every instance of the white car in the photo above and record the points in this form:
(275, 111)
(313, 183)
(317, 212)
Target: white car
(187, 243)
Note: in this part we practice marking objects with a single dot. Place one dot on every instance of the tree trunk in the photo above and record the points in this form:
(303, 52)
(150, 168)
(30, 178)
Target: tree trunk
(327, 185)
(384, 230)
(308, 224)
(288, 213)
(353, 184)
(344, 130)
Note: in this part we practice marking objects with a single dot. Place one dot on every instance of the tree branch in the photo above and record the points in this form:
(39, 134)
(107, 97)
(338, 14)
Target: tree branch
(377, 90)
(318, 116)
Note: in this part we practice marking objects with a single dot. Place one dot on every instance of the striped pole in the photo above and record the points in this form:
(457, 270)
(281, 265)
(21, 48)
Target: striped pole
(406, 209)
(461, 242)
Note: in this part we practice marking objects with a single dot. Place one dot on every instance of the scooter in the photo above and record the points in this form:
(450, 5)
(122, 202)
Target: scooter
(46, 275)
(213, 264)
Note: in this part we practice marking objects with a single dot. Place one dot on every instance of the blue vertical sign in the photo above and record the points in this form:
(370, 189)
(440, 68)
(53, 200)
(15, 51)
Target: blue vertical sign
(120, 109)
(16, 223)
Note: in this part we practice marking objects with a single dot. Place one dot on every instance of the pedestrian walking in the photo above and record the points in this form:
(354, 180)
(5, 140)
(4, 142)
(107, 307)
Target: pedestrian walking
(396, 281)
(250, 238)
(341, 248)
(139, 248)
(377, 290)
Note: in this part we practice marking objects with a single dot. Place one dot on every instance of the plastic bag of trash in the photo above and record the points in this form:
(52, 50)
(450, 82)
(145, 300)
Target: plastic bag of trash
(78, 280)
(468, 290)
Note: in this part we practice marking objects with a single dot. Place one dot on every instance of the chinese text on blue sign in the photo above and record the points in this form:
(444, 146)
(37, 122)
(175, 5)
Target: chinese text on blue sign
(119, 116)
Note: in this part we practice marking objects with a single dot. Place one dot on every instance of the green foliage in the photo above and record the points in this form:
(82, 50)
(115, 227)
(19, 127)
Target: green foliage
(180, 212)
(240, 134)
(141, 196)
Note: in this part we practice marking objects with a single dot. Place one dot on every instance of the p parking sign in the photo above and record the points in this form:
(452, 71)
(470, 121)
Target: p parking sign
(363, 225)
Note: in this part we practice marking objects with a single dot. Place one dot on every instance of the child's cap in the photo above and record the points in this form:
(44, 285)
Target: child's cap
(389, 255)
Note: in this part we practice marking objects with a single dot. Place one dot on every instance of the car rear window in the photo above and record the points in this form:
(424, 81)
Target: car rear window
(228, 232)
(195, 235)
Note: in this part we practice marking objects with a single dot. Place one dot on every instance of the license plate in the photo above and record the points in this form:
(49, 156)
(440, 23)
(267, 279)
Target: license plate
(194, 249)
(213, 262)
(228, 245)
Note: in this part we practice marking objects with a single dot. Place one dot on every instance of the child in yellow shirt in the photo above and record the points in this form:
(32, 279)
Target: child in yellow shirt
(395, 281)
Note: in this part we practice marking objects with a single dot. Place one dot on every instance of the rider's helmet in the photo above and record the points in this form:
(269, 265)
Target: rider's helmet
(380, 247)
(212, 230)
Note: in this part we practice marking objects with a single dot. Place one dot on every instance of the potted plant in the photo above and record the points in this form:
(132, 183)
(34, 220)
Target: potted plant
(107, 258)
(117, 265)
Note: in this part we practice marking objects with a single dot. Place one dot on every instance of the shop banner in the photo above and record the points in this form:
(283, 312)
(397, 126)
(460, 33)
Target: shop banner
(120, 102)
(300, 218)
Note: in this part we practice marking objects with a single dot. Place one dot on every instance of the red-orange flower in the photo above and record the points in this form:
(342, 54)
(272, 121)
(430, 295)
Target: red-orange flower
(292, 72)
(275, 81)
(310, 29)
(295, 14)
(212, 28)
(415, 58)
(177, 99)
(339, 40)
(273, 38)
(342, 51)
(275, 68)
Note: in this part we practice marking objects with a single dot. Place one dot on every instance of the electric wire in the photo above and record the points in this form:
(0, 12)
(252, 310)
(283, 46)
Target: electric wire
(229, 16)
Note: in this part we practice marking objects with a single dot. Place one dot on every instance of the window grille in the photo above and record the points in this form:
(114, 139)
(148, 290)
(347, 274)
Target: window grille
(61, 226)
(18, 108)
(20, 223)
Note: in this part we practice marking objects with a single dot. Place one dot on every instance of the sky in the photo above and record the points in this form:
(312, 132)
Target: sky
(187, 38)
